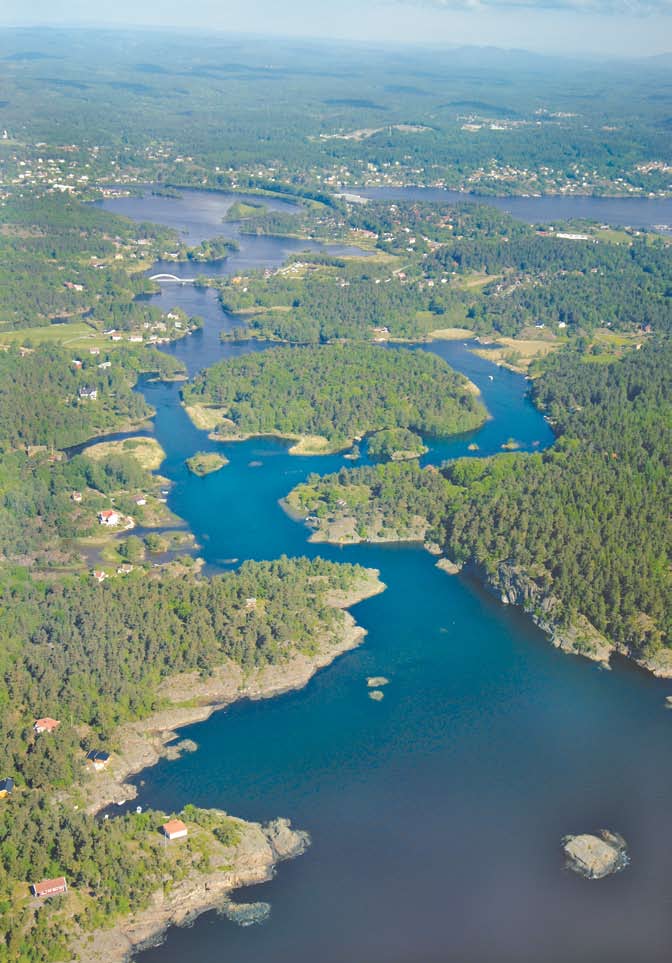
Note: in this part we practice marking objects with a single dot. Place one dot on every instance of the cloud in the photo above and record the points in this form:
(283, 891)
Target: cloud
(629, 8)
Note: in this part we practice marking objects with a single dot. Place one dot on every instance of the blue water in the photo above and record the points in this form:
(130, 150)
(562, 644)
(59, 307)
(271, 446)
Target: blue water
(199, 215)
(635, 212)
(436, 815)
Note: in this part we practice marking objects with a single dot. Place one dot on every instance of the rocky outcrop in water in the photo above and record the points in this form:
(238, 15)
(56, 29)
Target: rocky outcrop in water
(448, 566)
(596, 856)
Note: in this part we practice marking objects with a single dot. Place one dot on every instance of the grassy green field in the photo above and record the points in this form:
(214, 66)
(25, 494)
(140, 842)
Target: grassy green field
(73, 334)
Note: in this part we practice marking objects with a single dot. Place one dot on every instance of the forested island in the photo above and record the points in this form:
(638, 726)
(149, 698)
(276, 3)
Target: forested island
(110, 639)
(331, 396)
(398, 444)
(579, 535)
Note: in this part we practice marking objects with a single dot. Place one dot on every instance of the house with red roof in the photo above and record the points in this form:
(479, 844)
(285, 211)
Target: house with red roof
(46, 725)
(174, 829)
(109, 516)
(50, 887)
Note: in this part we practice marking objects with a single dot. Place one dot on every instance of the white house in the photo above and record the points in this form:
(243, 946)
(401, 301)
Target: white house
(109, 517)
(174, 829)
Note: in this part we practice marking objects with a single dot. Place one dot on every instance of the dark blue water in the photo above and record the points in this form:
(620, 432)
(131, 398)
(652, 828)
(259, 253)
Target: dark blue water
(436, 815)
(617, 211)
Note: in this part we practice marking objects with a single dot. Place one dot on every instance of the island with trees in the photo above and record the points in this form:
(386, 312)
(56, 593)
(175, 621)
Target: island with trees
(326, 398)
(206, 462)
(578, 535)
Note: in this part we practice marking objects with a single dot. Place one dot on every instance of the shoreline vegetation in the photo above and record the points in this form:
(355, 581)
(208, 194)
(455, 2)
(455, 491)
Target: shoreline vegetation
(610, 450)
(250, 859)
(190, 699)
(510, 585)
(210, 418)
(148, 741)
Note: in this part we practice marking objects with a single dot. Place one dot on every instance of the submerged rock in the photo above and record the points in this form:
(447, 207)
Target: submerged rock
(596, 856)
(246, 914)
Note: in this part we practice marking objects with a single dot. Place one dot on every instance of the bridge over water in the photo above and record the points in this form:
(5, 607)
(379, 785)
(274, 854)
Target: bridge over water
(171, 277)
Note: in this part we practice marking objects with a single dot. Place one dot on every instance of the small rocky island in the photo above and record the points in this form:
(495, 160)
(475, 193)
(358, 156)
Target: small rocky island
(596, 856)
(205, 462)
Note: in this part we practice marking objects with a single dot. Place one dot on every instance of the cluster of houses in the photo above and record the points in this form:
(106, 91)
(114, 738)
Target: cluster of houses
(97, 757)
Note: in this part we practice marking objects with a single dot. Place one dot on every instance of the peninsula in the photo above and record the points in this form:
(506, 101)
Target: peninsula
(613, 424)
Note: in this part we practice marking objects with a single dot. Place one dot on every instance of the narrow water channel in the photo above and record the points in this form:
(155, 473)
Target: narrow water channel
(436, 815)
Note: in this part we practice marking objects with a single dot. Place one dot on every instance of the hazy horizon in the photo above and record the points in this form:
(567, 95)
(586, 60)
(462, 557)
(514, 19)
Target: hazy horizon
(632, 28)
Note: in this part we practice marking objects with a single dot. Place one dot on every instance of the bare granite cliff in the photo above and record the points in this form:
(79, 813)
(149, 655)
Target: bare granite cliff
(251, 860)
(516, 586)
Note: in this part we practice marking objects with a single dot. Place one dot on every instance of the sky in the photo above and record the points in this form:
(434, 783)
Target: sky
(604, 27)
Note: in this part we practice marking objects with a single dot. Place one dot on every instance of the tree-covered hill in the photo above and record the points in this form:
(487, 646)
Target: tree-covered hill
(588, 522)
(95, 654)
(338, 392)
(591, 517)
(44, 394)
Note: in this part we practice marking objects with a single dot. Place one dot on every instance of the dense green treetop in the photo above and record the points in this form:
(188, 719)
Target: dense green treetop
(589, 519)
(386, 501)
(62, 643)
(338, 392)
(395, 443)
(112, 867)
(41, 390)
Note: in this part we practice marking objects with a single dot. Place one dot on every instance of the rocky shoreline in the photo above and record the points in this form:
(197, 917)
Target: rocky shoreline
(147, 741)
(254, 860)
(195, 699)
(596, 856)
(513, 585)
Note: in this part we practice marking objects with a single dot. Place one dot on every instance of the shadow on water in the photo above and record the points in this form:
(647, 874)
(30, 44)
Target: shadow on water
(436, 815)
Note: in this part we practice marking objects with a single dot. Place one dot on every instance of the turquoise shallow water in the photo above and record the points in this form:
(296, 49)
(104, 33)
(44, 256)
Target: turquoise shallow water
(436, 815)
